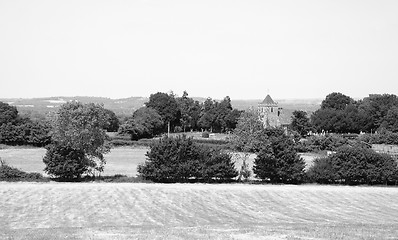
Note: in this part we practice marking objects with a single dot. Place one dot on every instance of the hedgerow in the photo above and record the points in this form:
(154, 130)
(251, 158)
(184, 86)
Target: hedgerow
(180, 159)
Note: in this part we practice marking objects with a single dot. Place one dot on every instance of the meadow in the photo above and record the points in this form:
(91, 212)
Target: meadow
(195, 211)
(121, 160)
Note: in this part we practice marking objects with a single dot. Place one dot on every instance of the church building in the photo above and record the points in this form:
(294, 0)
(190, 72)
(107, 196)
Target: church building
(270, 113)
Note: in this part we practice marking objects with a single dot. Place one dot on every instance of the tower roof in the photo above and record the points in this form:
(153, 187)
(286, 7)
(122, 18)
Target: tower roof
(268, 101)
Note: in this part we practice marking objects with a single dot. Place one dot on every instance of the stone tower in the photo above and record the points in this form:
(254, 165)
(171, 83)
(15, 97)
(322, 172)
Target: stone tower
(269, 112)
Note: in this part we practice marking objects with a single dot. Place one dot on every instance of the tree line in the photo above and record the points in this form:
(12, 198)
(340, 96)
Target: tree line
(17, 129)
(166, 112)
(339, 113)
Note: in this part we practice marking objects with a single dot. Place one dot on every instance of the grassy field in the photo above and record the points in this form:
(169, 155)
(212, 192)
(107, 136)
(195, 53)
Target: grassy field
(195, 211)
(121, 160)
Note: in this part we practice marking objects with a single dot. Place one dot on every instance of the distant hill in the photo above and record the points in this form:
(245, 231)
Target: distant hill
(126, 106)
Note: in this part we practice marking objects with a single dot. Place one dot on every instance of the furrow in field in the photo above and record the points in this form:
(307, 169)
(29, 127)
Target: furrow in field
(93, 205)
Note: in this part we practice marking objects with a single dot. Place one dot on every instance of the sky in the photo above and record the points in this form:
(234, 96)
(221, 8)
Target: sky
(244, 49)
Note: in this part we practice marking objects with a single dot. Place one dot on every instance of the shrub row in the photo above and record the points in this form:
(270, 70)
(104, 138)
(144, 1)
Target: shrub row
(354, 165)
(180, 159)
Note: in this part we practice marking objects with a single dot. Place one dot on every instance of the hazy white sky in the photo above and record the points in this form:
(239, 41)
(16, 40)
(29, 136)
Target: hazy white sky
(211, 48)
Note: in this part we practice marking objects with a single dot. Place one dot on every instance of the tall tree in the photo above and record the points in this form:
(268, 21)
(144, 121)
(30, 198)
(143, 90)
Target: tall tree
(145, 123)
(301, 123)
(278, 161)
(79, 128)
(113, 122)
(337, 101)
(190, 111)
(7, 113)
(375, 109)
(166, 105)
(248, 135)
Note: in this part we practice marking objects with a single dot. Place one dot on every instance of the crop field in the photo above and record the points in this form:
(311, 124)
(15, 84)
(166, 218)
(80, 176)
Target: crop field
(196, 211)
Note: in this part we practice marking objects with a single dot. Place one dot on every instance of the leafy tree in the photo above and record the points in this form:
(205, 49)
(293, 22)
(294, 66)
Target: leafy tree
(391, 120)
(217, 165)
(336, 101)
(79, 128)
(208, 116)
(113, 121)
(248, 135)
(166, 105)
(8, 114)
(145, 123)
(301, 123)
(278, 160)
(190, 112)
(231, 120)
(375, 109)
(65, 162)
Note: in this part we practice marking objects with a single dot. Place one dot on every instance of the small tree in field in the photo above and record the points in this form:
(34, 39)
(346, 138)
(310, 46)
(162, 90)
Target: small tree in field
(278, 160)
(79, 140)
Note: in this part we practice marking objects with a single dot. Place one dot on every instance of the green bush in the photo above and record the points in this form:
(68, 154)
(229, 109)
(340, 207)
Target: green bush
(180, 159)
(354, 165)
(65, 162)
(278, 161)
(322, 171)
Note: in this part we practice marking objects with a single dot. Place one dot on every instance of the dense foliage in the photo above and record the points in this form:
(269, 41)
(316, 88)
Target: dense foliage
(382, 137)
(164, 112)
(354, 165)
(65, 162)
(17, 130)
(180, 159)
(248, 135)
(145, 123)
(301, 123)
(278, 161)
(341, 114)
(78, 135)
(112, 124)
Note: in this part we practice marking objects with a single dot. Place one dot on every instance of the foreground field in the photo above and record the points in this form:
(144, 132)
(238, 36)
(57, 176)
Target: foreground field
(195, 211)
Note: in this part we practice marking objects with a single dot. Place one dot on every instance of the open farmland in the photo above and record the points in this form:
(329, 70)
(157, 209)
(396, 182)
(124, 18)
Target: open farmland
(195, 211)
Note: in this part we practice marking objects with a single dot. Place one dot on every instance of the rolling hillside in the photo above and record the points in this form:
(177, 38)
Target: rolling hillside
(127, 106)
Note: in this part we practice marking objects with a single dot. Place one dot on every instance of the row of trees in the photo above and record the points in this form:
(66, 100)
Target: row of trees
(277, 159)
(342, 114)
(354, 165)
(23, 130)
(79, 141)
(19, 130)
(164, 112)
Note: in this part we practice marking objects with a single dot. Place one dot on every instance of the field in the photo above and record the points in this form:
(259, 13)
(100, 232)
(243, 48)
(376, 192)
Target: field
(195, 211)
(121, 160)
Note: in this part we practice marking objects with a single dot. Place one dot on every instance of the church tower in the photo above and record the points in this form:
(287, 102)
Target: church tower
(269, 112)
